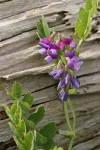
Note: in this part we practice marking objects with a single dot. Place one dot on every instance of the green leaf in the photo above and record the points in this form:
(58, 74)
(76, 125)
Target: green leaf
(79, 28)
(49, 130)
(16, 90)
(45, 27)
(28, 141)
(39, 138)
(21, 128)
(18, 115)
(8, 112)
(19, 143)
(68, 134)
(72, 91)
(88, 5)
(40, 30)
(83, 24)
(49, 145)
(29, 124)
(28, 98)
(25, 107)
(81, 134)
(83, 16)
(13, 128)
(60, 53)
(88, 31)
(38, 115)
(43, 30)
(14, 107)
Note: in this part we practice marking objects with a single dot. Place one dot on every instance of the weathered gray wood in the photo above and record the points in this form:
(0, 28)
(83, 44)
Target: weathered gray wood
(17, 6)
(20, 61)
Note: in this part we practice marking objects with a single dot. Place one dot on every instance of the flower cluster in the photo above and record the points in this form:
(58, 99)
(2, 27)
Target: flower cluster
(62, 51)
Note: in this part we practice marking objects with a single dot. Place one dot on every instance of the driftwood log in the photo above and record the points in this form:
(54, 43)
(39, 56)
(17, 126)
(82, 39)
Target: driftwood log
(20, 61)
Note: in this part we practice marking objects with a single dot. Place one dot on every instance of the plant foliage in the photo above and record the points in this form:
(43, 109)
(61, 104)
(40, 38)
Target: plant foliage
(23, 122)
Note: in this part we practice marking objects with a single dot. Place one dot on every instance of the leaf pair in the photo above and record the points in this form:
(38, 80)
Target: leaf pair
(44, 136)
(83, 24)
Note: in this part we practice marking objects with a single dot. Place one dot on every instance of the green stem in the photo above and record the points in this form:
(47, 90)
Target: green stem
(71, 143)
(67, 116)
(73, 112)
(80, 42)
(36, 147)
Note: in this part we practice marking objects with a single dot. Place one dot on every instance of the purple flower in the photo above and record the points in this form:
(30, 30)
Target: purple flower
(44, 45)
(43, 51)
(48, 59)
(64, 81)
(70, 54)
(53, 53)
(57, 73)
(67, 78)
(61, 44)
(74, 63)
(53, 73)
(61, 84)
(46, 40)
(54, 46)
(63, 95)
(70, 42)
(73, 45)
(77, 65)
(75, 83)
(49, 46)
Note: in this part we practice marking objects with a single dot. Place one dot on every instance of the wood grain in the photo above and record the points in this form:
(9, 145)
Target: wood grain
(20, 61)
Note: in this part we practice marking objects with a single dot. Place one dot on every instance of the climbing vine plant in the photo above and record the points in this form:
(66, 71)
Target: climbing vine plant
(64, 52)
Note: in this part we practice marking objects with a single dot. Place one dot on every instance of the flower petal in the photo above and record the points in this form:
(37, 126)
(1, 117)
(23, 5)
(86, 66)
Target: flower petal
(75, 83)
(48, 59)
(68, 40)
(52, 73)
(61, 84)
(53, 53)
(59, 74)
(63, 95)
(73, 45)
(43, 51)
(54, 46)
(78, 65)
(44, 45)
(67, 78)
(70, 54)
(61, 44)
(46, 40)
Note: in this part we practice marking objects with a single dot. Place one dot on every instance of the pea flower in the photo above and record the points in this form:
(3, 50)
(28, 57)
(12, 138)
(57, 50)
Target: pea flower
(70, 42)
(69, 62)
(48, 59)
(53, 53)
(46, 40)
(74, 63)
(70, 54)
(63, 95)
(75, 83)
(57, 73)
(43, 51)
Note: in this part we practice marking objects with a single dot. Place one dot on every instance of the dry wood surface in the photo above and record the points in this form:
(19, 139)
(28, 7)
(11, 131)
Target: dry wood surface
(20, 61)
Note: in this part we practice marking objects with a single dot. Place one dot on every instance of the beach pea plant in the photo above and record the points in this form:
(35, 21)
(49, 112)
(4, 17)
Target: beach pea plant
(64, 52)
(23, 124)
